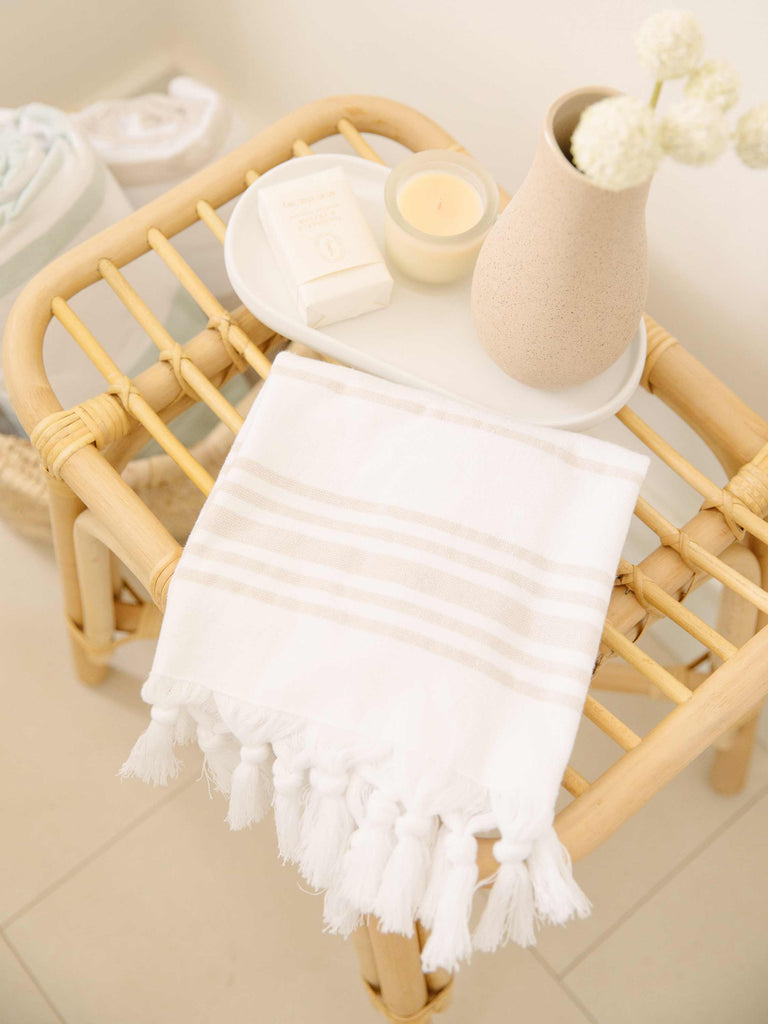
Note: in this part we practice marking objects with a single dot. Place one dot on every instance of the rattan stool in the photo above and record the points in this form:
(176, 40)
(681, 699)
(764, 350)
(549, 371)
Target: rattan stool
(100, 522)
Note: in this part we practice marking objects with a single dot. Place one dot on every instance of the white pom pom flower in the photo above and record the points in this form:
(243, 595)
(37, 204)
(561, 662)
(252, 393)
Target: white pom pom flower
(670, 44)
(716, 81)
(751, 137)
(615, 143)
(694, 132)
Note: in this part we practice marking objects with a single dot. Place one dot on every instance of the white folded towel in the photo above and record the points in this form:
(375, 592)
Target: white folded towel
(54, 193)
(156, 139)
(385, 623)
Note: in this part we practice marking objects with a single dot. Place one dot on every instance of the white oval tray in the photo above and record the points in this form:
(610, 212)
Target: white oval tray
(425, 337)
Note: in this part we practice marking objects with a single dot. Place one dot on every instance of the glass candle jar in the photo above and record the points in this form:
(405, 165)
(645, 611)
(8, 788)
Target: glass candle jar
(440, 206)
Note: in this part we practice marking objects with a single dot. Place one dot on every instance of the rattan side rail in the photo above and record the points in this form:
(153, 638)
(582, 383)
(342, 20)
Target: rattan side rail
(99, 522)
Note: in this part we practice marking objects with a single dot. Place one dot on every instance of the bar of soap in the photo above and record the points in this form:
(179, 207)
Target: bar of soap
(324, 247)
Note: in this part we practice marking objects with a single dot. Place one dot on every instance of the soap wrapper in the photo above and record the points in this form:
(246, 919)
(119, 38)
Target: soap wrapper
(324, 247)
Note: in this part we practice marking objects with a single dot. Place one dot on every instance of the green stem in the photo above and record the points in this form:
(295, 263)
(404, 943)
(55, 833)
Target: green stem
(655, 95)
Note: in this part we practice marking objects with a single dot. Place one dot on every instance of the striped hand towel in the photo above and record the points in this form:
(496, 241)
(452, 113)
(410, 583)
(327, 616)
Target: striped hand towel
(384, 625)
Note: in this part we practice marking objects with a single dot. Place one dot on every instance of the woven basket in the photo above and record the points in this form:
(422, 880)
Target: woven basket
(23, 491)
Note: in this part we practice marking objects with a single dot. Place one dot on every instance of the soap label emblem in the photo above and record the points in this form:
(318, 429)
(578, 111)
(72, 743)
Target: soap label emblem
(330, 248)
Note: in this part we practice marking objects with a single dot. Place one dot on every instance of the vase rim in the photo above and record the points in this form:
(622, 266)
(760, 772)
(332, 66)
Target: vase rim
(572, 98)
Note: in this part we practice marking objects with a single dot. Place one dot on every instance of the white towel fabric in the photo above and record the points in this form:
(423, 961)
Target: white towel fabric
(54, 193)
(153, 141)
(384, 623)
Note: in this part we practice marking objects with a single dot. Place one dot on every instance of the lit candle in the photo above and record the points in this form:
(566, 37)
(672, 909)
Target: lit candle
(439, 208)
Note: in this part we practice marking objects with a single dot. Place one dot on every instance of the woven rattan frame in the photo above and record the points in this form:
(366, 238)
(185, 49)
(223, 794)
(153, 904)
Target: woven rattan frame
(99, 519)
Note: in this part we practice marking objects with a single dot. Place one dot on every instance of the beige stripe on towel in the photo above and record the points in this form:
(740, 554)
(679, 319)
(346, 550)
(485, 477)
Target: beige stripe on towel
(455, 555)
(361, 622)
(564, 671)
(418, 578)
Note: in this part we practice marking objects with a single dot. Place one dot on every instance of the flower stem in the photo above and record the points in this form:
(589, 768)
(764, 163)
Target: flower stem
(655, 95)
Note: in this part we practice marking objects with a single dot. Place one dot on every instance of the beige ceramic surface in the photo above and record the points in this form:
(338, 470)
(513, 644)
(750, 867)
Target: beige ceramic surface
(130, 905)
(561, 280)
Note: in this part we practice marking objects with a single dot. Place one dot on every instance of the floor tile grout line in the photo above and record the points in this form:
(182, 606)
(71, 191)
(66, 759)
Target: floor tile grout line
(567, 991)
(678, 868)
(28, 971)
(95, 854)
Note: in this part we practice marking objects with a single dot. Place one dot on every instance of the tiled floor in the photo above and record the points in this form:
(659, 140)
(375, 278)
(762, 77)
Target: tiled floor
(121, 904)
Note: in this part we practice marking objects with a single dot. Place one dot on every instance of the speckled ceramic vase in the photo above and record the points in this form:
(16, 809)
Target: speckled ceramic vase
(561, 280)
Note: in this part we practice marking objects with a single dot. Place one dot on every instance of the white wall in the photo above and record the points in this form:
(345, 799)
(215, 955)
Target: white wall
(67, 52)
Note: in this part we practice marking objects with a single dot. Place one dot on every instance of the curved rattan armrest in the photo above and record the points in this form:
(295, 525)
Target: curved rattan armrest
(733, 431)
(28, 385)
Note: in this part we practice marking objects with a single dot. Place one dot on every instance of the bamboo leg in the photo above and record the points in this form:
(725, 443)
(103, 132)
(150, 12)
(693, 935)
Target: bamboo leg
(402, 985)
(65, 509)
(738, 620)
(117, 577)
(364, 949)
(94, 573)
(731, 766)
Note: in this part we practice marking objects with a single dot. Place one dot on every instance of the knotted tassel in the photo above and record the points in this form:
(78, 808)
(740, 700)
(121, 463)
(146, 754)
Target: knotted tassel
(450, 941)
(186, 729)
(557, 895)
(152, 758)
(339, 915)
(405, 877)
(289, 781)
(221, 756)
(251, 792)
(437, 872)
(369, 850)
(509, 913)
(326, 826)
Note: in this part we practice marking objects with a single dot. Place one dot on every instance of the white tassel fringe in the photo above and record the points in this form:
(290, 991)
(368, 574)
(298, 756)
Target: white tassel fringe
(340, 916)
(450, 941)
(437, 875)
(186, 729)
(325, 827)
(290, 783)
(509, 914)
(251, 792)
(397, 865)
(556, 893)
(221, 756)
(369, 850)
(152, 758)
(405, 876)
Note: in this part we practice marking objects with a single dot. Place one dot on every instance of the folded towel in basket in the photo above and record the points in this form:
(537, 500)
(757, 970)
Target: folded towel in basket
(384, 624)
(157, 139)
(55, 192)
(154, 141)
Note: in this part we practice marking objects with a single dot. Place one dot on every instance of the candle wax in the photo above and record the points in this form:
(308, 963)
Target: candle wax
(440, 203)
